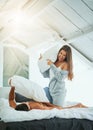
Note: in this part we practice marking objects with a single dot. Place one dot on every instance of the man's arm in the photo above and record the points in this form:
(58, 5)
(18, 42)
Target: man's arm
(12, 97)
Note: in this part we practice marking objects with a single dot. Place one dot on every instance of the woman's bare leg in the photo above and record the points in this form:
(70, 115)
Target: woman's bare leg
(79, 105)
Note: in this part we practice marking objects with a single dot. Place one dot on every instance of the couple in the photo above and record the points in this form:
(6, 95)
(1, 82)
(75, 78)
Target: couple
(58, 71)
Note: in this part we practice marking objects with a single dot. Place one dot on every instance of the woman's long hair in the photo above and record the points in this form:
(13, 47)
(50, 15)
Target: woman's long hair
(68, 59)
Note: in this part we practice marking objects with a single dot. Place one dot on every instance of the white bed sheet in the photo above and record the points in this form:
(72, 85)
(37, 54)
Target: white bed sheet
(8, 114)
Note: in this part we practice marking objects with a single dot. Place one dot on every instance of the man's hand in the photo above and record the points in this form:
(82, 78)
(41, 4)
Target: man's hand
(13, 87)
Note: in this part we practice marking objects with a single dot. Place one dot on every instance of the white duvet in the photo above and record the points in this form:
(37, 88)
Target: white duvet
(8, 114)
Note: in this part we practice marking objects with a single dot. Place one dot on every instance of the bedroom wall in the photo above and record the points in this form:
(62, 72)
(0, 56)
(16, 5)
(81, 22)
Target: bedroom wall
(34, 73)
(80, 89)
(1, 66)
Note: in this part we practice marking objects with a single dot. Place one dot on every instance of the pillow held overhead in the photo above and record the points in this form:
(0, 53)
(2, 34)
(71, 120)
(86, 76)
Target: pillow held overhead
(28, 88)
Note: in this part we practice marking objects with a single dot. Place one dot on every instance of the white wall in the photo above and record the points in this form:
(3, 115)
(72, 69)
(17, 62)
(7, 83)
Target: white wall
(35, 74)
(81, 87)
(1, 66)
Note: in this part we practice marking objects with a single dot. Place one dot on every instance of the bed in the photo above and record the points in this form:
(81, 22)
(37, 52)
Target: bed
(67, 119)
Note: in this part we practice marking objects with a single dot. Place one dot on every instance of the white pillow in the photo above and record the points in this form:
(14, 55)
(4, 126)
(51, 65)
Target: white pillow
(49, 54)
(28, 88)
(4, 92)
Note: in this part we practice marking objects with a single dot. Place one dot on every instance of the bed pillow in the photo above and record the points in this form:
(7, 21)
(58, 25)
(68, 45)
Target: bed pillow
(49, 54)
(28, 88)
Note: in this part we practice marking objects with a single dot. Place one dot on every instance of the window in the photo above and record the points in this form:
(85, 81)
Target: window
(15, 62)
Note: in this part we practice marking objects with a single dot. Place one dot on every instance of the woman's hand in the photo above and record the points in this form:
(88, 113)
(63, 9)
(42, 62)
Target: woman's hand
(40, 57)
(49, 62)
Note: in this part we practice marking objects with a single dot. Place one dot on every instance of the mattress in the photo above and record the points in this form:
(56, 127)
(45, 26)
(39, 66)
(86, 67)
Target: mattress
(49, 124)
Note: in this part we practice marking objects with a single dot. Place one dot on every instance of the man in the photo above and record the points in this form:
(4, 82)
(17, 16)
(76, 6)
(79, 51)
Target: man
(26, 106)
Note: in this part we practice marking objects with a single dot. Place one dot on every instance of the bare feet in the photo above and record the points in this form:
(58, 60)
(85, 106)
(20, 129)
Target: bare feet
(80, 105)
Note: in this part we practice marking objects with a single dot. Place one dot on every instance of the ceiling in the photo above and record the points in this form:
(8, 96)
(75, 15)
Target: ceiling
(29, 23)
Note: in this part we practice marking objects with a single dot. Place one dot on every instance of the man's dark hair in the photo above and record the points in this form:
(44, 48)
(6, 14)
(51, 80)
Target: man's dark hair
(22, 107)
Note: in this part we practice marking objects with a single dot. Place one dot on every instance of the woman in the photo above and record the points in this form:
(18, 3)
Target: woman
(58, 71)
